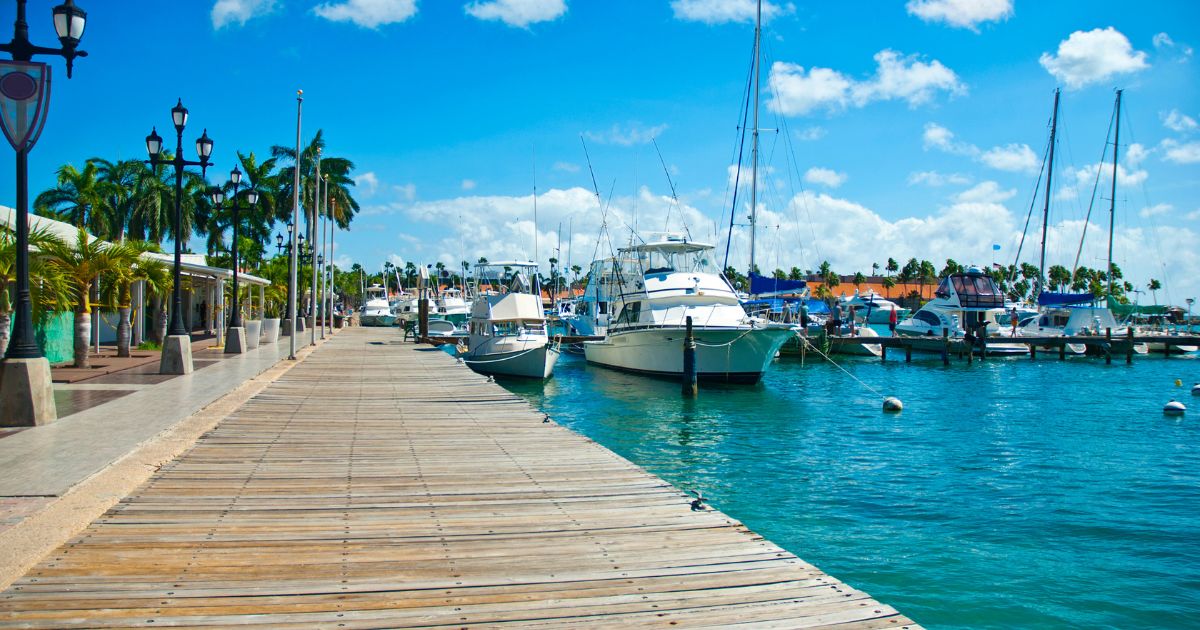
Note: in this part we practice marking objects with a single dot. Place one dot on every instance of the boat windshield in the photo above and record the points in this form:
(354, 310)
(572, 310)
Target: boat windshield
(674, 259)
(976, 291)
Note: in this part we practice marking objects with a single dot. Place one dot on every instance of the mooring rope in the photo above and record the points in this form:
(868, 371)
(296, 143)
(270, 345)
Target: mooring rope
(838, 366)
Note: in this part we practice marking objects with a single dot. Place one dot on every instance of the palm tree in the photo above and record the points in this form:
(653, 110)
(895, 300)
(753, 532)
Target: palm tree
(892, 266)
(118, 182)
(116, 287)
(888, 283)
(80, 264)
(78, 198)
(1154, 286)
(154, 219)
(339, 175)
(859, 280)
(46, 286)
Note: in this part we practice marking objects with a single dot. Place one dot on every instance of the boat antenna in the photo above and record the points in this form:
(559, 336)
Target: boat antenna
(536, 272)
(1049, 182)
(1112, 203)
(754, 141)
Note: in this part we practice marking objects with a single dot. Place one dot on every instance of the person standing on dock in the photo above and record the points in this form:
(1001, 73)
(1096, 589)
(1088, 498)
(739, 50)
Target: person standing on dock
(892, 320)
(1012, 316)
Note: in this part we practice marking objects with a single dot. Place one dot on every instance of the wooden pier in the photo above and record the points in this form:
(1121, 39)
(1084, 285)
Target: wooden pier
(1106, 346)
(382, 484)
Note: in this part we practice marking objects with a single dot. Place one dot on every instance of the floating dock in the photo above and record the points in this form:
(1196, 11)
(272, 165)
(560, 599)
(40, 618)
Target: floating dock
(382, 484)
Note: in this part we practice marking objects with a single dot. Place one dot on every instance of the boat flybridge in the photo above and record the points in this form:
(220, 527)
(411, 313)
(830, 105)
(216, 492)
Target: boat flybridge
(376, 311)
(1072, 315)
(656, 287)
(968, 301)
(872, 307)
(590, 313)
(507, 329)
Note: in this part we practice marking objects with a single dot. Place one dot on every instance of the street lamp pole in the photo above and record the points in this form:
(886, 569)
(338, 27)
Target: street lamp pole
(323, 205)
(291, 327)
(235, 337)
(26, 391)
(312, 214)
(177, 349)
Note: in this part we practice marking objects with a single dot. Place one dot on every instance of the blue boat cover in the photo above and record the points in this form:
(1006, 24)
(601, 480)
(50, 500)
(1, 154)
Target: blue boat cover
(763, 284)
(1048, 298)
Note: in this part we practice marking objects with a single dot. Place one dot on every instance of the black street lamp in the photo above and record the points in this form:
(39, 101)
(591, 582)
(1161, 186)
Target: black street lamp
(27, 392)
(218, 197)
(25, 91)
(204, 146)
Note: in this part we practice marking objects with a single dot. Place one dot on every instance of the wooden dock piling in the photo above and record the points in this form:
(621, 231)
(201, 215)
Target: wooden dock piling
(690, 386)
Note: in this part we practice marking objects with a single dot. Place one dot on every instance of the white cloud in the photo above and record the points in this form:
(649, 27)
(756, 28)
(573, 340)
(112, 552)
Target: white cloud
(1155, 210)
(985, 192)
(1094, 56)
(367, 183)
(396, 260)
(795, 91)
(1017, 158)
(905, 78)
(1135, 154)
(407, 191)
(1164, 43)
(1176, 121)
(723, 11)
(627, 135)
(368, 13)
(961, 13)
(1180, 153)
(808, 134)
(518, 13)
(825, 177)
(1014, 157)
(226, 12)
(566, 167)
(1194, 215)
(468, 184)
(934, 178)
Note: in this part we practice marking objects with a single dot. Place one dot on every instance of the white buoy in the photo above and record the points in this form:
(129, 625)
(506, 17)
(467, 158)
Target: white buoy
(1174, 408)
(1196, 389)
(892, 404)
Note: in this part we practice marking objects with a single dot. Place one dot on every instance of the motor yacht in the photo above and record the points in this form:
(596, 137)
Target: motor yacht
(507, 330)
(376, 311)
(968, 301)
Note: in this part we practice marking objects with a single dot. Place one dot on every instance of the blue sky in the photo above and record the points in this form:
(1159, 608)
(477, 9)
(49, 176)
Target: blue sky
(916, 128)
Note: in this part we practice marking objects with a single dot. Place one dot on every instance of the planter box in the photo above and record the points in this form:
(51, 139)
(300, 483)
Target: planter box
(270, 330)
(253, 332)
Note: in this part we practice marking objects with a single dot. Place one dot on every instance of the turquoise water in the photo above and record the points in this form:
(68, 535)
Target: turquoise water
(1010, 493)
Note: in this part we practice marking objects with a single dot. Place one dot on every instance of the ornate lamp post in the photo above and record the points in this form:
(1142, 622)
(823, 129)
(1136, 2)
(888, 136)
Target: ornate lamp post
(26, 393)
(177, 348)
(235, 336)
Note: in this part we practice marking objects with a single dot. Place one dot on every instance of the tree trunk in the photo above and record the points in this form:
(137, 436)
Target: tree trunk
(5, 322)
(83, 334)
(123, 332)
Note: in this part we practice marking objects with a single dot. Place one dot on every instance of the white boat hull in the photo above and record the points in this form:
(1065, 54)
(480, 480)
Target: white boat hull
(534, 360)
(377, 320)
(734, 355)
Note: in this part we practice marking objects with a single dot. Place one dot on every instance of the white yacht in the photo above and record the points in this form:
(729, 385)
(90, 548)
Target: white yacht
(969, 300)
(657, 285)
(376, 311)
(873, 308)
(1069, 315)
(507, 330)
(452, 307)
(589, 313)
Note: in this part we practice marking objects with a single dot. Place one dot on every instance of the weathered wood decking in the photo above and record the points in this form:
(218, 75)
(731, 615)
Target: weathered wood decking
(384, 485)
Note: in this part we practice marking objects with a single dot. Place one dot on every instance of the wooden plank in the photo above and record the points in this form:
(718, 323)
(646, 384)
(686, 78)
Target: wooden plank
(377, 484)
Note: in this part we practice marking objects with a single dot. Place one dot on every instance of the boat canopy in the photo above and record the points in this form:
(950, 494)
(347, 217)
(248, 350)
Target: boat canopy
(974, 289)
(760, 285)
(1050, 298)
(517, 307)
(1125, 310)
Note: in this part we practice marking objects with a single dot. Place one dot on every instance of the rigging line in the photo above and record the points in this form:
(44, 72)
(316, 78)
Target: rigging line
(671, 183)
(599, 201)
(1029, 215)
(1095, 189)
(741, 151)
(1154, 231)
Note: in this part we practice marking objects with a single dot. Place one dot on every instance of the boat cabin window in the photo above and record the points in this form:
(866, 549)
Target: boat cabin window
(943, 290)
(505, 329)
(977, 291)
(630, 313)
(928, 318)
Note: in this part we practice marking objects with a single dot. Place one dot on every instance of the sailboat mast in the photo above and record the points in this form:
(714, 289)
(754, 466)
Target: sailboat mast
(1046, 207)
(1112, 202)
(754, 146)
